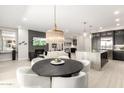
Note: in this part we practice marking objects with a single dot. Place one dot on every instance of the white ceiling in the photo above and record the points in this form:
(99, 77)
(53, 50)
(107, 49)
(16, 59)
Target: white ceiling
(69, 18)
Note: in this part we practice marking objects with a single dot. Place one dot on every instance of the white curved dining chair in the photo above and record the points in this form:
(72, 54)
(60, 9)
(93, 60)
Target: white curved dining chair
(78, 81)
(86, 68)
(56, 54)
(66, 57)
(86, 64)
(28, 79)
(35, 60)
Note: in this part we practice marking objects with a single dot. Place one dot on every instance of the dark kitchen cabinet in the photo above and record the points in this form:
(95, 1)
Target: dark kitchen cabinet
(103, 34)
(107, 34)
(119, 37)
(104, 58)
(96, 35)
(118, 55)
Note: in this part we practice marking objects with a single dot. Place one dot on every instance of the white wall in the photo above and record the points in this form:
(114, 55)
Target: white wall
(22, 49)
(84, 43)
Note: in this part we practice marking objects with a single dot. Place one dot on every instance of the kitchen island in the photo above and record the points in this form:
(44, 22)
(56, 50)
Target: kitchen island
(98, 58)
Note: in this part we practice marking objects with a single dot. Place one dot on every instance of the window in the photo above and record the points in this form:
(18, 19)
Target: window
(7, 40)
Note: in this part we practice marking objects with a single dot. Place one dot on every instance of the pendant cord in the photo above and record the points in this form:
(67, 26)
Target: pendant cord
(55, 17)
(84, 27)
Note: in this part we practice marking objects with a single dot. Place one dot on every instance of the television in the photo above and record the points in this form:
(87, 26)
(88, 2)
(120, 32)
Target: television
(38, 41)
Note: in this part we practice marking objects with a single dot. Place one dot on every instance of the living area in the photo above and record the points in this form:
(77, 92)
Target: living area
(45, 47)
(38, 46)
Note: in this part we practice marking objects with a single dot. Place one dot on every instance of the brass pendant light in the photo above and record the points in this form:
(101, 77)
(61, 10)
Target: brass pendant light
(55, 35)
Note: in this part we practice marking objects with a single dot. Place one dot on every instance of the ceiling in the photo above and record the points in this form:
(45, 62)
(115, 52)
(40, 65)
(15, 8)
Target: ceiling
(69, 18)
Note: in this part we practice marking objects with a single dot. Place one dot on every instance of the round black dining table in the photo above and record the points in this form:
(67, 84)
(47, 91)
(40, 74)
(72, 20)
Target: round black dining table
(45, 68)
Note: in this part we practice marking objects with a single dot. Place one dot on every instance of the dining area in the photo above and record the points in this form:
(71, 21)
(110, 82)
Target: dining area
(54, 72)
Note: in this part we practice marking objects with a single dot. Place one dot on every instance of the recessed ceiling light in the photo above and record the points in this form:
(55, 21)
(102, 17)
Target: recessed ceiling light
(116, 12)
(117, 24)
(24, 19)
(100, 27)
(117, 20)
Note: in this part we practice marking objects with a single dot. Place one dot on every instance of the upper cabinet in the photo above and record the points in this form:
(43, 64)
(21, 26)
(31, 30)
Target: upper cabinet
(96, 35)
(96, 39)
(103, 34)
(119, 37)
(107, 34)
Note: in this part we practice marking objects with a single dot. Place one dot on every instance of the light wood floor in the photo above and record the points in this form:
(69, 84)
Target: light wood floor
(8, 73)
(111, 76)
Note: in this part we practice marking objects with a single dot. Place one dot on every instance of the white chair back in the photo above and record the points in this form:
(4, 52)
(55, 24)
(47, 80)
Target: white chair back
(56, 54)
(78, 81)
(27, 78)
(66, 57)
(86, 64)
(86, 69)
(35, 60)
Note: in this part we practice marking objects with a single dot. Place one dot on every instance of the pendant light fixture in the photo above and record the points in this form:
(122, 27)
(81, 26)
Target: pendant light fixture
(90, 31)
(84, 34)
(55, 35)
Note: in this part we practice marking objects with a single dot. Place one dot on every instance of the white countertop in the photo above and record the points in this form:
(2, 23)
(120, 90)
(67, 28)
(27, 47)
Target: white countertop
(118, 49)
(100, 51)
(95, 51)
